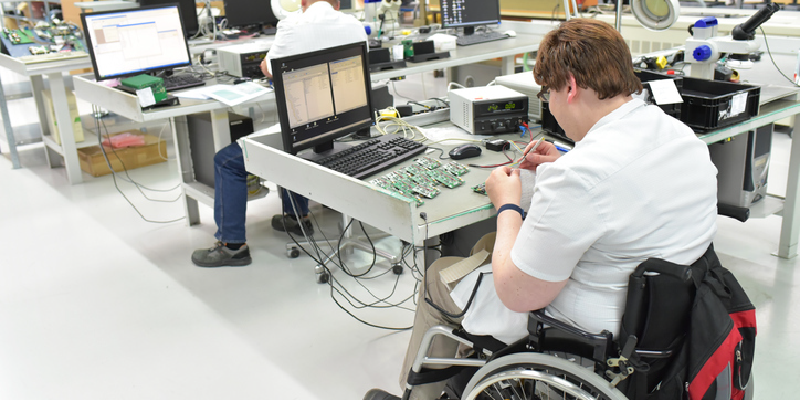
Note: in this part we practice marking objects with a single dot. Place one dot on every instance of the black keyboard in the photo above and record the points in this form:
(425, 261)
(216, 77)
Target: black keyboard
(182, 81)
(481, 37)
(373, 156)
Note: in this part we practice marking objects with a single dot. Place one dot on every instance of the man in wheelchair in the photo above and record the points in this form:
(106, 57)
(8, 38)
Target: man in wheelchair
(638, 185)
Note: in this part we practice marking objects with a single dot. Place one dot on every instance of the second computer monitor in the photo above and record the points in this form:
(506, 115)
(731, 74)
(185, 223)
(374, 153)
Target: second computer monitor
(188, 13)
(322, 96)
(469, 13)
(248, 12)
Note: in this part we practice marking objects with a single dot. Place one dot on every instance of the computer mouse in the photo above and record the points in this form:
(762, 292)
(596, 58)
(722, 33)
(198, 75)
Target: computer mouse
(465, 151)
(511, 33)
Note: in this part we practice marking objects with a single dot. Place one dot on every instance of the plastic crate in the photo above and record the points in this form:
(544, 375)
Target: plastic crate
(711, 105)
(673, 110)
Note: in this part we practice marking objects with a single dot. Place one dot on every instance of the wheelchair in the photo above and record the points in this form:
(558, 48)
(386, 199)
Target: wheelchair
(557, 360)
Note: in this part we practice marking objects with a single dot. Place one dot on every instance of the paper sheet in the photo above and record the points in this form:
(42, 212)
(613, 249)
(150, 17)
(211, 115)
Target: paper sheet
(146, 98)
(738, 104)
(665, 92)
(233, 95)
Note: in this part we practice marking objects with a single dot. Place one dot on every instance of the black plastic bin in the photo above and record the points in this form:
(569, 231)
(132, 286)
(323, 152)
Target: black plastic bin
(673, 110)
(710, 105)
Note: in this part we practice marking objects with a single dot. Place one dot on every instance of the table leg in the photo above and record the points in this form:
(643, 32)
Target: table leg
(790, 223)
(12, 143)
(37, 87)
(183, 156)
(64, 120)
(220, 128)
(507, 65)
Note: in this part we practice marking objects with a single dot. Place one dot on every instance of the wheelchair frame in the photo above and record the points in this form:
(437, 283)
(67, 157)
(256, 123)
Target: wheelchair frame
(500, 365)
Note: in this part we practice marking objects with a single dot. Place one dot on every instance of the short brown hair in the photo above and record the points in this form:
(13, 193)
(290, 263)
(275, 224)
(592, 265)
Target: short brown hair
(591, 51)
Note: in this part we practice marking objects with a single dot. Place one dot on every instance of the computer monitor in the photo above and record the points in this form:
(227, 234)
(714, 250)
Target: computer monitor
(322, 96)
(188, 13)
(138, 41)
(247, 12)
(469, 13)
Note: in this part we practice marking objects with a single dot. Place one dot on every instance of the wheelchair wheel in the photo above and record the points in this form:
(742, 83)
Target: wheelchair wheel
(528, 376)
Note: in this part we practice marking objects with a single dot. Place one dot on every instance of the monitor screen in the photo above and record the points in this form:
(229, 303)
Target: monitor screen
(322, 96)
(248, 12)
(138, 41)
(457, 13)
(188, 13)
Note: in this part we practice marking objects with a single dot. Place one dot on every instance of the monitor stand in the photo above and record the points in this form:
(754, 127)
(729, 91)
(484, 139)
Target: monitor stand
(324, 150)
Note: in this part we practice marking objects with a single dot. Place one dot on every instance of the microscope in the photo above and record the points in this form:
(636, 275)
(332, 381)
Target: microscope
(387, 20)
(704, 48)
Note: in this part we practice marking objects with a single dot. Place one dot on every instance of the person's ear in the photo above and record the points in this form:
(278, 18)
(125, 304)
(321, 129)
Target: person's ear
(572, 89)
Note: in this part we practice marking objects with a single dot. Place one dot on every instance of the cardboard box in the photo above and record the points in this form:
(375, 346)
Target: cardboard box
(77, 128)
(154, 151)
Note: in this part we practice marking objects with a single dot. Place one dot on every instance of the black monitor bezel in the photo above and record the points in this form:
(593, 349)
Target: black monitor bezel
(470, 24)
(90, 46)
(192, 26)
(251, 17)
(315, 58)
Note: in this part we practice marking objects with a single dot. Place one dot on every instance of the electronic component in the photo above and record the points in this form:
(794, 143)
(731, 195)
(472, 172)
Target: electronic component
(445, 178)
(387, 184)
(497, 145)
(480, 188)
(243, 60)
(428, 163)
(488, 109)
(524, 83)
(455, 168)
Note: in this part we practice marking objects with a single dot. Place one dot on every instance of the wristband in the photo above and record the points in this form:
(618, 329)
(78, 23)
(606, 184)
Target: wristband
(511, 206)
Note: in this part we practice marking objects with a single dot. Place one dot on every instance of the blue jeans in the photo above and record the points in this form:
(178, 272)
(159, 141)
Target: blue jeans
(230, 195)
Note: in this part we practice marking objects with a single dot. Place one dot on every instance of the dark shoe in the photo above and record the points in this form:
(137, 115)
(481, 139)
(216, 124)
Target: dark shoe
(221, 256)
(377, 394)
(288, 223)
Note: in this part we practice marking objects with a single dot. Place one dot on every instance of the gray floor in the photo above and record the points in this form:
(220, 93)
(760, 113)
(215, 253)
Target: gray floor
(96, 303)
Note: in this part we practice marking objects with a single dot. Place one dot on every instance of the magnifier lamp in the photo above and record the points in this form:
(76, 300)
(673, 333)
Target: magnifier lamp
(285, 8)
(656, 15)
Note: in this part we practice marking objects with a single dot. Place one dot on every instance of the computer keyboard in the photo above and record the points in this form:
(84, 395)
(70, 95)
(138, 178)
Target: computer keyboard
(481, 37)
(182, 81)
(373, 156)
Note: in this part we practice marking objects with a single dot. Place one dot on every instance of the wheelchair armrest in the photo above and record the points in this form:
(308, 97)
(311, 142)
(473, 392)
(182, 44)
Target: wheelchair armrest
(599, 343)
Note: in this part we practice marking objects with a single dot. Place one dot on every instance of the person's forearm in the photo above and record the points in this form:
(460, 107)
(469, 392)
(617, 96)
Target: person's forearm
(503, 268)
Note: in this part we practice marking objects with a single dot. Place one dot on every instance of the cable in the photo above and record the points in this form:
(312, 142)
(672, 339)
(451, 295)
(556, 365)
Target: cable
(336, 287)
(114, 177)
(398, 94)
(773, 60)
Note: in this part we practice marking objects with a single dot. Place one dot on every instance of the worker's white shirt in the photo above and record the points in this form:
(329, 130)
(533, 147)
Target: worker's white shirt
(319, 27)
(639, 185)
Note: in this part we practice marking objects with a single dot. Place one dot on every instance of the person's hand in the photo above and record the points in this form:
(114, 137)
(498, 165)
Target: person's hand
(503, 186)
(546, 152)
(264, 69)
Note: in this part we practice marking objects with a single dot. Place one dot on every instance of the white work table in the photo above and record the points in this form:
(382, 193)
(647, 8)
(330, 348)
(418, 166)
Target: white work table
(53, 70)
(127, 105)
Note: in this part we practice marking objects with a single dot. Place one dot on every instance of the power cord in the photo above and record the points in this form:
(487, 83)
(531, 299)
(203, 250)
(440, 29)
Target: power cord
(129, 179)
(337, 288)
(773, 60)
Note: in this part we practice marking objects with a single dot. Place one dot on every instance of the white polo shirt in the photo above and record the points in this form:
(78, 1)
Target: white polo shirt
(319, 27)
(639, 185)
